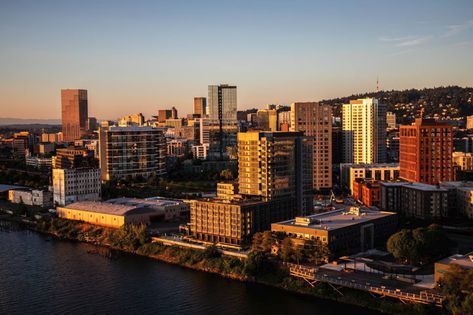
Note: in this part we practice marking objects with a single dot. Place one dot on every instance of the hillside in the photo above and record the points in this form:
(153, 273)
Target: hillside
(451, 102)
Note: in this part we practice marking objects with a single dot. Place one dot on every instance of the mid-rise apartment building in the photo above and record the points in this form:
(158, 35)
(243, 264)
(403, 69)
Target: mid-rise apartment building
(131, 151)
(418, 200)
(383, 172)
(76, 184)
(425, 152)
(233, 222)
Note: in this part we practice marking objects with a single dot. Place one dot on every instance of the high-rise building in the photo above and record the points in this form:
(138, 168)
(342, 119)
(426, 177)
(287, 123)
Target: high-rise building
(74, 114)
(174, 113)
(131, 151)
(132, 120)
(364, 131)
(391, 120)
(315, 120)
(222, 112)
(276, 165)
(284, 120)
(76, 184)
(469, 122)
(164, 114)
(463, 160)
(92, 124)
(425, 152)
(200, 106)
(267, 119)
(222, 103)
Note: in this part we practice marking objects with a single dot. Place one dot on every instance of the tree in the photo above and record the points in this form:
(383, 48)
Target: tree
(297, 254)
(316, 252)
(421, 245)
(267, 242)
(254, 263)
(401, 245)
(211, 252)
(256, 242)
(286, 249)
(457, 285)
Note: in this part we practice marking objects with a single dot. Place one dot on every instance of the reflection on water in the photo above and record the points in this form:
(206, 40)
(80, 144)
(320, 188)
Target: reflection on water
(58, 277)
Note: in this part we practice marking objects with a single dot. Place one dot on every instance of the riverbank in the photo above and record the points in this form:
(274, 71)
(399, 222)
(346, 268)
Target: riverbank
(134, 240)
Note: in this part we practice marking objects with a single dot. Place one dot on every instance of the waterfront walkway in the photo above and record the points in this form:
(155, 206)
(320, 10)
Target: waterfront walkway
(366, 282)
(178, 241)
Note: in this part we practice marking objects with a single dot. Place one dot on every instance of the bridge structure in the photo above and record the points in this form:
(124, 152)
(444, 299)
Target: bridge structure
(313, 276)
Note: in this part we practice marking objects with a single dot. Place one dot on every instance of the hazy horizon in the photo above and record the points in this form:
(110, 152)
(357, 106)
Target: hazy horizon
(148, 55)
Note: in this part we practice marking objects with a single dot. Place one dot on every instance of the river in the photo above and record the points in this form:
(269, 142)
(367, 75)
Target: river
(42, 276)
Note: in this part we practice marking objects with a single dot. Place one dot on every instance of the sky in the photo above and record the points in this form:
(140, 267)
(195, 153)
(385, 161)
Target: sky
(142, 56)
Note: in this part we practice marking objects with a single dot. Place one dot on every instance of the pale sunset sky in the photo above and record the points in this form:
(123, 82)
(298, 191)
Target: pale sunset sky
(141, 56)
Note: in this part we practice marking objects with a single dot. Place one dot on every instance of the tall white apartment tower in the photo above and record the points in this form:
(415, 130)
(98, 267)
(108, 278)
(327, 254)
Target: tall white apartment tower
(364, 131)
(315, 120)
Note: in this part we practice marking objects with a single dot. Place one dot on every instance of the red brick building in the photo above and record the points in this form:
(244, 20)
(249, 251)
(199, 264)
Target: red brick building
(367, 191)
(425, 152)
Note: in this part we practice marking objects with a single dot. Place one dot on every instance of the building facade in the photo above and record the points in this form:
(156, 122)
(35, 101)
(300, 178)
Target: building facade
(364, 131)
(463, 161)
(74, 106)
(391, 121)
(73, 157)
(106, 214)
(425, 152)
(276, 165)
(383, 172)
(234, 222)
(417, 200)
(76, 184)
(344, 232)
(131, 152)
(223, 123)
(31, 197)
(132, 120)
(315, 120)
(200, 105)
(366, 191)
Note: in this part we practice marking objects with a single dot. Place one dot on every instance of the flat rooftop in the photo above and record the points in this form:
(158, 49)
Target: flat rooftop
(237, 202)
(106, 208)
(417, 186)
(370, 166)
(465, 261)
(156, 202)
(336, 219)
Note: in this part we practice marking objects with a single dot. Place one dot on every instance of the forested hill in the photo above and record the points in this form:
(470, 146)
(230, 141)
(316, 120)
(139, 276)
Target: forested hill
(451, 102)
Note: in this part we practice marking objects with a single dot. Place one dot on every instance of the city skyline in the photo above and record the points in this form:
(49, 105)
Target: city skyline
(160, 55)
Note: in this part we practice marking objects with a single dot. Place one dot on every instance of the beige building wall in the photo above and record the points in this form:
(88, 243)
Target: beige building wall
(315, 120)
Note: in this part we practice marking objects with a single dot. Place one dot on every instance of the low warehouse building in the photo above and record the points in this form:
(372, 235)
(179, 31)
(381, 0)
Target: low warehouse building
(166, 209)
(106, 214)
